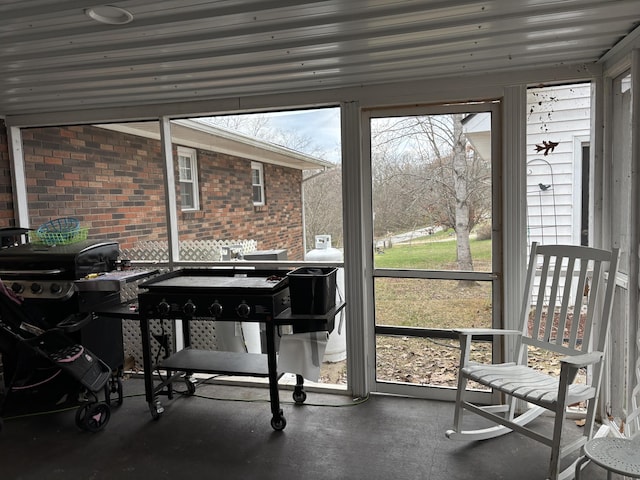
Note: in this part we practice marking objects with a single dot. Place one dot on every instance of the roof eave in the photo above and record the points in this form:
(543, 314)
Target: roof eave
(193, 134)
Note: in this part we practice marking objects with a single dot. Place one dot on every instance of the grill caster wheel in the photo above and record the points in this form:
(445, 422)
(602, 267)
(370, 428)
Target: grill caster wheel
(114, 386)
(156, 410)
(93, 417)
(278, 423)
(299, 396)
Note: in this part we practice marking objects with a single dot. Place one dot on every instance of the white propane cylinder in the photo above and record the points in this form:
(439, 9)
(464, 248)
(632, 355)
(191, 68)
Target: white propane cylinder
(336, 350)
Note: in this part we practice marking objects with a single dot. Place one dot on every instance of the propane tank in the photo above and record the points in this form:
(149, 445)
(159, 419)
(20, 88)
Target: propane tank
(336, 350)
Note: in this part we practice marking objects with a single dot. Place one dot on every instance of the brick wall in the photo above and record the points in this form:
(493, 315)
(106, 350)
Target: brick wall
(227, 206)
(113, 183)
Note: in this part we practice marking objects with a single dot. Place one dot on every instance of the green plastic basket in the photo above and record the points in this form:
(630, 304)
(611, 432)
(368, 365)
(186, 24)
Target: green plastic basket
(60, 231)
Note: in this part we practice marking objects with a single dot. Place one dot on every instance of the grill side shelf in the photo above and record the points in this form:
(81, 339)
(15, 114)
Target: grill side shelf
(111, 281)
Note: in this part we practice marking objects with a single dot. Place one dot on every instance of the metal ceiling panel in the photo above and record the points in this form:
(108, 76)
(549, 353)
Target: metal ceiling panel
(55, 58)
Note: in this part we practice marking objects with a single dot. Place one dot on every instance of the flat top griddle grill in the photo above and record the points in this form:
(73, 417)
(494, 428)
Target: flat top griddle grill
(222, 281)
(221, 294)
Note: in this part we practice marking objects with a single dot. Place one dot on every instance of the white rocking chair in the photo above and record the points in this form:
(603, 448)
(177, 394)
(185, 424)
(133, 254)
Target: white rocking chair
(563, 280)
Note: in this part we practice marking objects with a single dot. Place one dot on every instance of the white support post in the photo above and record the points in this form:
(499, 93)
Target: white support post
(170, 191)
(171, 207)
(514, 215)
(357, 276)
(18, 178)
(634, 262)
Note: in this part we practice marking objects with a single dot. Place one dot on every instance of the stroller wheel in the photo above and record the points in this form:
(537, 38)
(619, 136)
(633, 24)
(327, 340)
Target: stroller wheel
(93, 417)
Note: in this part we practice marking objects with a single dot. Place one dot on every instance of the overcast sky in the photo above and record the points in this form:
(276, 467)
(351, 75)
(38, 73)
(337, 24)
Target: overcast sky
(321, 125)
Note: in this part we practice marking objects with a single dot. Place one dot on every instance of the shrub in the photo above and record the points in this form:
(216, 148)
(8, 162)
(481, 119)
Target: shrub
(483, 231)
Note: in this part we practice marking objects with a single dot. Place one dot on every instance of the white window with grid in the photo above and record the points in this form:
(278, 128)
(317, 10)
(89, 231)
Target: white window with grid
(257, 182)
(188, 178)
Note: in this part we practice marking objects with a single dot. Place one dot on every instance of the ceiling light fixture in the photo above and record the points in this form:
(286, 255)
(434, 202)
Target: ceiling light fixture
(109, 15)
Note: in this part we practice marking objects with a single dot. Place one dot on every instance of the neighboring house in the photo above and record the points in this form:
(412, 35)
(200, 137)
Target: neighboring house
(557, 175)
(229, 186)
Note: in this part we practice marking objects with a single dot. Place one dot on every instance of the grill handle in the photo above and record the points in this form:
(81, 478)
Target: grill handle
(22, 273)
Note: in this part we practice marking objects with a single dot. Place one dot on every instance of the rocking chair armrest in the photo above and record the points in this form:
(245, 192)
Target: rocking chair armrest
(473, 332)
(582, 360)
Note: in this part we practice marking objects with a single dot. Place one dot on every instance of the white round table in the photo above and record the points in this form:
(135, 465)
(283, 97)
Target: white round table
(616, 455)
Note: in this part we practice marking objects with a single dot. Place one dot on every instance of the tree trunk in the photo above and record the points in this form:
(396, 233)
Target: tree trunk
(460, 179)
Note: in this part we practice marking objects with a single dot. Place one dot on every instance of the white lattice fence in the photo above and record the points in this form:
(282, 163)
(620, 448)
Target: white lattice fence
(203, 337)
(190, 250)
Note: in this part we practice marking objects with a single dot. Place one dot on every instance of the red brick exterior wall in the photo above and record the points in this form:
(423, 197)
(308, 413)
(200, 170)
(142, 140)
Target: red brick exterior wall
(112, 182)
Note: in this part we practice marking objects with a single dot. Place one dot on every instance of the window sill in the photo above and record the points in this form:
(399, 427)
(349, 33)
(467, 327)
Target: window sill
(192, 214)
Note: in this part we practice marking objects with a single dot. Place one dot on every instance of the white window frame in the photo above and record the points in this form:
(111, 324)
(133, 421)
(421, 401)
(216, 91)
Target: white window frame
(192, 182)
(257, 166)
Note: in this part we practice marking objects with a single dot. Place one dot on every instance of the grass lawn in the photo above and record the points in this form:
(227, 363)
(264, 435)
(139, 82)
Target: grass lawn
(439, 304)
(435, 252)
(432, 303)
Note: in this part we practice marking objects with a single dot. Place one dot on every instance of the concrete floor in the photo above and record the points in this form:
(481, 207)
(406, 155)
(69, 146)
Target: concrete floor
(224, 432)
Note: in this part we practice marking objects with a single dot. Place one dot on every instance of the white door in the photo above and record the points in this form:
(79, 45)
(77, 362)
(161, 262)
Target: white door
(434, 196)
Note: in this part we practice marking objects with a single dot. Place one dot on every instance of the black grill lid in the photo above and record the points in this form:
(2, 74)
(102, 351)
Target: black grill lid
(71, 262)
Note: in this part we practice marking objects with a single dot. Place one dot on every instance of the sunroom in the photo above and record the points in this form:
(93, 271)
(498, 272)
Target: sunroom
(542, 93)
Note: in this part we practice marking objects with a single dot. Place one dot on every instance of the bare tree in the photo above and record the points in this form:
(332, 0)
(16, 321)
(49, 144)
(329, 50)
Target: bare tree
(443, 182)
(462, 223)
(254, 125)
(260, 126)
(323, 206)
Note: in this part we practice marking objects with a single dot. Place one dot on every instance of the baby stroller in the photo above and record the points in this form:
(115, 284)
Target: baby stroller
(45, 370)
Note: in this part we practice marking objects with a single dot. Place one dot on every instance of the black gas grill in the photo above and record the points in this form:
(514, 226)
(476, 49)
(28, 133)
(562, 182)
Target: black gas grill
(42, 272)
(45, 277)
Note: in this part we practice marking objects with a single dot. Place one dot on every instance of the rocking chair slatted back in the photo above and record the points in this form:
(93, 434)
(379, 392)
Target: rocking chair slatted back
(569, 289)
